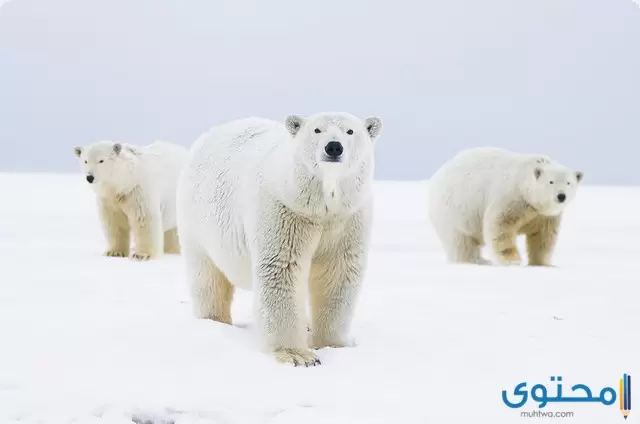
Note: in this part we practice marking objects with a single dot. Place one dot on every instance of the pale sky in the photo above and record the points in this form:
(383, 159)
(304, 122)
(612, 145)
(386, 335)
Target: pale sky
(558, 77)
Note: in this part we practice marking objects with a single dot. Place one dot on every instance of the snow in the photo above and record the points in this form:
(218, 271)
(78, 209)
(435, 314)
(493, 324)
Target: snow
(89, 339)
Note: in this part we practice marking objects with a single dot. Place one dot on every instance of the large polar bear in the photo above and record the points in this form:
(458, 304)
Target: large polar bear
(282, 209)
(489, 196)
(136, 193)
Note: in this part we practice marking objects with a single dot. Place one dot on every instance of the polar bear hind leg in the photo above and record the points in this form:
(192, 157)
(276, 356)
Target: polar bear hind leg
(463, 248)
(171, 241)
(211, 291)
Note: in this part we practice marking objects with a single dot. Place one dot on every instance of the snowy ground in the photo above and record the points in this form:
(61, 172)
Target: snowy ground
(88, 339)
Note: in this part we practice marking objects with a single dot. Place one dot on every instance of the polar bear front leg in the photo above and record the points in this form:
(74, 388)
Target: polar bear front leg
(334, 285)
(145, 220)
(115, 227)
(281, 270)
(541, 239)
(211, 291)
(171, 241)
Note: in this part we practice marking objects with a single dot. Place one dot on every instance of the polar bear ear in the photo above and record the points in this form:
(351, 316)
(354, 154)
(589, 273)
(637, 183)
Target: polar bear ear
(537, 172)
(373, 126)
(294, 123)
(132, 150)
(117, 148)
(579, 175)
(77, 151)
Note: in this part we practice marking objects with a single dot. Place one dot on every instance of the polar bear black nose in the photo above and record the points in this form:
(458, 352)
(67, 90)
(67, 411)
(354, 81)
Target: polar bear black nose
(333, 149)
(562, 197)
(90, 178)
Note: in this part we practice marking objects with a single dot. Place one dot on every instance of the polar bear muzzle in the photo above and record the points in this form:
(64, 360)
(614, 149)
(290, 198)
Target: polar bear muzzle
(333, 150)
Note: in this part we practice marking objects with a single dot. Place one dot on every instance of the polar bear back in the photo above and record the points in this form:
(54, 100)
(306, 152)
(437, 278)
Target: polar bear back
(163, 163)
(218, 190)
(232, 155)
(465, 186)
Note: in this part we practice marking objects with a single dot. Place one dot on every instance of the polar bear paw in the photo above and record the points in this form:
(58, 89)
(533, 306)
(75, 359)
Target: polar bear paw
(483, 261)
(112, 253)
(297, 357)
(545, 264)
(140, 256)
(509, 257)
(335, 343)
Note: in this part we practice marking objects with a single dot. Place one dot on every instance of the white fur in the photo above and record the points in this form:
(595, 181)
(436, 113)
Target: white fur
(260, 208)
(490, 195)
(136, 192)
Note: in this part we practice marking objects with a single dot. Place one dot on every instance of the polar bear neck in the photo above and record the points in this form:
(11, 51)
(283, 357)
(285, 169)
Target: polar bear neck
(128, 175)
(332, 194)
(325, 196)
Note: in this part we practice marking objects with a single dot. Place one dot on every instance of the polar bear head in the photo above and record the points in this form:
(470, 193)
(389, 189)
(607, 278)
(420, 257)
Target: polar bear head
(339, 144)
(551, 187)
(106, 164)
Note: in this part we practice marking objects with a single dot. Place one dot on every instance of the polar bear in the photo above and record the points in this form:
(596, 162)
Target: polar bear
(135, 188)
(285, 210)
(489, 195)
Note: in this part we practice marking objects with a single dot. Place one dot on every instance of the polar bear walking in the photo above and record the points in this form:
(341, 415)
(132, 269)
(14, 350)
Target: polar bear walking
(489, 196)
(284, 210)
(136, 193)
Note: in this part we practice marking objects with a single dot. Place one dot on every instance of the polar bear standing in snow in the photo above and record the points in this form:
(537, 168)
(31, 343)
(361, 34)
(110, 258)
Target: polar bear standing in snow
(136, 193)
(284, 210)
(490, 196)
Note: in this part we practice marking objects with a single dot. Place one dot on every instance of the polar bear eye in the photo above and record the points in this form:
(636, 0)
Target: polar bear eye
(317, 131)
(101, 161)
(550, 182)
(350, 132)
(86, 161)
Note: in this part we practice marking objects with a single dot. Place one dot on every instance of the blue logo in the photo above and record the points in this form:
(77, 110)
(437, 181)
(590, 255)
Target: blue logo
(580, 393)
